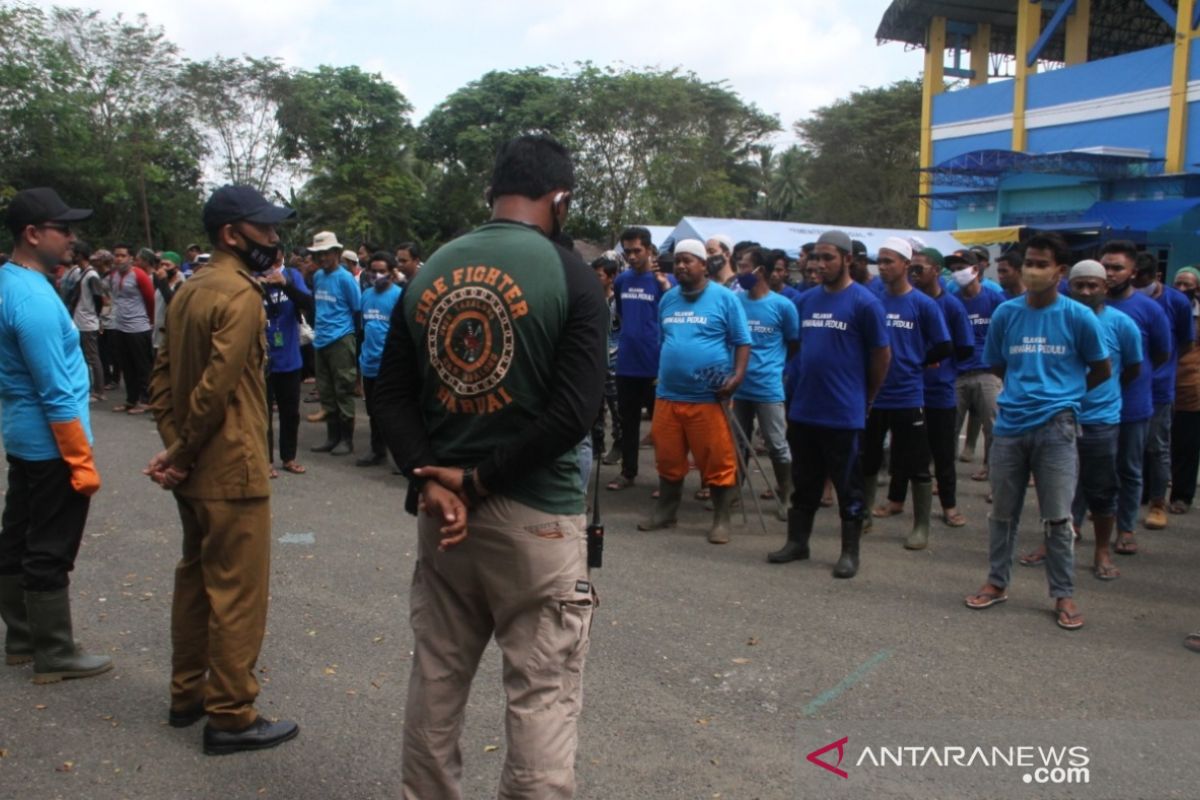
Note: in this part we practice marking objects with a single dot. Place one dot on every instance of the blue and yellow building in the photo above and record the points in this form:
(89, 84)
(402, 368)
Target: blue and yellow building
(1081, 116)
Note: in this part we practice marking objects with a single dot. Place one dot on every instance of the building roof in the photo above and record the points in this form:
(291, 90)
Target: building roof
(1117, 26)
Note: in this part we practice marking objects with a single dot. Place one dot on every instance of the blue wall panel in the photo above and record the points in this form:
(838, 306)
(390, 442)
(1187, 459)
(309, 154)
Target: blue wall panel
(1147, 131)
(974, 102)
(943, 220)
(1192, 155)
(1131, 72)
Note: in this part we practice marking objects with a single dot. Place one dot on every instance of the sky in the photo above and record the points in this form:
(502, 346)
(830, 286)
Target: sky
(788, 57)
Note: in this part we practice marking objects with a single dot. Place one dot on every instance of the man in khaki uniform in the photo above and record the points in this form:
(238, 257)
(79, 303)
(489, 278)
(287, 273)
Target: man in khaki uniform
(491, 375)
(208, 394)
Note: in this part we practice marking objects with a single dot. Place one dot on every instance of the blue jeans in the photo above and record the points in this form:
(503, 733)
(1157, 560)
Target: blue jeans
(1131, 450)
(1158, 453)
(1049, 453)
(1096, 490)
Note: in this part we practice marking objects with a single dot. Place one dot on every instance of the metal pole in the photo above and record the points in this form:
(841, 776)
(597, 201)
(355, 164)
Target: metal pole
(739, 435)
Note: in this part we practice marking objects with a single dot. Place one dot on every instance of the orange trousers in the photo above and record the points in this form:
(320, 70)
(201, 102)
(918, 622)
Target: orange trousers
(700, 428)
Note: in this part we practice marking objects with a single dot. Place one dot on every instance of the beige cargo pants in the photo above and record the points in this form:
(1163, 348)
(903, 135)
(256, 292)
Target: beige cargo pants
(521, 575)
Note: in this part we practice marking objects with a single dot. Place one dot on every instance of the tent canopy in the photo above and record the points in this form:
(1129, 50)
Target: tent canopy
(791, 236)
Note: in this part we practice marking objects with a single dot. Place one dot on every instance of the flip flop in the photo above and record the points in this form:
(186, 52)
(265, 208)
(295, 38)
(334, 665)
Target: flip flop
(121, 409)
(1178, 507)
(882, 512)
(767, 494)
(294, 468)
(1068, 621)
(1107, 572)
(1192, 642)
(1126, 545)
(1032, 559)
(955, 521)
(981, 475)
(618, 483)
(988, 601)
(703, 493)
(273, 474)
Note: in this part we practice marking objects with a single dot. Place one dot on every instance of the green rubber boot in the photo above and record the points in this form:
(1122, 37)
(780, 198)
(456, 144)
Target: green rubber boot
(667, 507)
(847, 564)
(18, 645)
(870, 489)
(722, 498)
(55, 655)
(922, 508)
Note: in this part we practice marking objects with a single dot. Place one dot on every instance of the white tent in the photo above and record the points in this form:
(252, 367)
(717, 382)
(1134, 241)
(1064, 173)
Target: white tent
(791, 236)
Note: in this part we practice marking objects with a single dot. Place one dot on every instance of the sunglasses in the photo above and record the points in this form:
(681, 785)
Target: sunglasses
(56, 226)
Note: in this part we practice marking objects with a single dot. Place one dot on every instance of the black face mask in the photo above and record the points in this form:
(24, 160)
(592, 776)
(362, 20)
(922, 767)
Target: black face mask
(1119, 289)
(715, 264)
(258, 257)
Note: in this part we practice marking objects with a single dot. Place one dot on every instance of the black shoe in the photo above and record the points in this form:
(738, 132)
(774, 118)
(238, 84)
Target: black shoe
(184, 719)
(261, 734)
(373, 460)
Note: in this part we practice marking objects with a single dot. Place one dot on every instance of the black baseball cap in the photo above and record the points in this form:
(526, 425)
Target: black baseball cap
(237, 203)
(39, 206)
(963, 258)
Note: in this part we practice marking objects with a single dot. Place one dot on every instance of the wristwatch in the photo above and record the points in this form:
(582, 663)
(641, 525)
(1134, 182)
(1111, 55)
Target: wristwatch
(470, 489)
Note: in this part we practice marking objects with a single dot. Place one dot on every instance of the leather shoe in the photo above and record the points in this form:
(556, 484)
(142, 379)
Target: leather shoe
(186, 718)
(261, 734)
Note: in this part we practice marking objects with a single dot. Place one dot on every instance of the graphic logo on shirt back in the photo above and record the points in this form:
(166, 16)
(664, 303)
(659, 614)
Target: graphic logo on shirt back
(470, 336)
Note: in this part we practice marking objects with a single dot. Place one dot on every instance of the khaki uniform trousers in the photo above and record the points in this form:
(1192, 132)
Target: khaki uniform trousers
(521, 574)
(337, 372)
(219, 611)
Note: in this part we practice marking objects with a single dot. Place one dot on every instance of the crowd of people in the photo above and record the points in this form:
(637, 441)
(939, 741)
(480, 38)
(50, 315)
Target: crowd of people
(492, 374)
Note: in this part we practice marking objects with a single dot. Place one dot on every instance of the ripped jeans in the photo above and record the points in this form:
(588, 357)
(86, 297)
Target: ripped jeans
(1048, 453)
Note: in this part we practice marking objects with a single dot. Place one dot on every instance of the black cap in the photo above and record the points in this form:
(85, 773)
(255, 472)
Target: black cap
(237, 203)
(39, 206)
(858, 248)
(963, 258)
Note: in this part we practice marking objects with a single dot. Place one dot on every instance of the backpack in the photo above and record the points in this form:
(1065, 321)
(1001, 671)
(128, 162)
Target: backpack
(71, 287)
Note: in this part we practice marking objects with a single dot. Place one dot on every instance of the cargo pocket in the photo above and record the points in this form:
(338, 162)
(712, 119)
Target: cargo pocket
(561, 642)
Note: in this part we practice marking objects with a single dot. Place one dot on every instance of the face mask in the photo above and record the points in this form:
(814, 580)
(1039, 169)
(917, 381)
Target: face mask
(382, 283)
(715, 264)
(1149, 291)
(964, 276)
(1113, 291)
(1040, 281)
(258, 257)
(747, 280)
(1189, 293)
(171, 272)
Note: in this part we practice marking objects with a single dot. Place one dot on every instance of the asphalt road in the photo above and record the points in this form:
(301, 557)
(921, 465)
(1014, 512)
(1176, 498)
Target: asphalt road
(704, 661)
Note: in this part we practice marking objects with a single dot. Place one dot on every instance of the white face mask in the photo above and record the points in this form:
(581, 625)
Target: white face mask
(964, 276)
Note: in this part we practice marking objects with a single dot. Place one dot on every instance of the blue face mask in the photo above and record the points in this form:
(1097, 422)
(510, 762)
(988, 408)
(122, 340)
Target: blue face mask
(747, 280)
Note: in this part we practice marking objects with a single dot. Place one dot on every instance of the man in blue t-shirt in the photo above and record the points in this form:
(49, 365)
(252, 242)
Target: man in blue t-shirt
(378, 302)
(844, 356)
(919, 338)
(286, 298)
(775, 330)
(977, 386)
(636, 295)
(706, 349)
(46, 427)
(338, 299)
(941, 403)
(1178, 308)
(1119, 258)
(1050, 352)
(1100, 420)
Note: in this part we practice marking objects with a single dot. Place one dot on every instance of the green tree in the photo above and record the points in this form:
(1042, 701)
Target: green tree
(352, 132)
(864, 153)
(91, 107)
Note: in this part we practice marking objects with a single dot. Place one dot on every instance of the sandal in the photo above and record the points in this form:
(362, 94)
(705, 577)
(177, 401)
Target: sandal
(1192, 642)
(954, 520)
(294, 467)
(122, 409)
(1126, 545)
(1034, 558)
(1106, 572)
(138, 409)
(1068, 621)
(985, 598)
(703, 493)
(1178, 507)
(273, 474)
(767, 494)
(886, 511)
(620, 482)
(981, 475)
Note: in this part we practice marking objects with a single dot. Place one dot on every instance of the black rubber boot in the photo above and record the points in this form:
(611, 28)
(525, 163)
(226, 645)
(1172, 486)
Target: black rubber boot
(847, 565)
(783, 487)
(333, 435)
(18, 644)
(55, 654)
(372, 460)
(870, 489)
(800, 525)
(346, 446)
(722, 497)
(665, 510)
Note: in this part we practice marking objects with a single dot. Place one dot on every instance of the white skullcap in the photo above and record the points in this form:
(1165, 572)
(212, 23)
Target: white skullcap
(1088, 269)
(723, 240)
(693, 247)
(898, 245)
